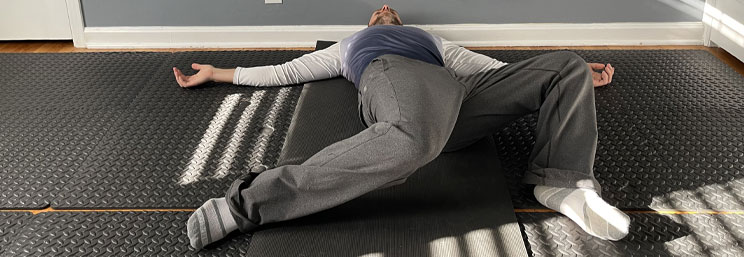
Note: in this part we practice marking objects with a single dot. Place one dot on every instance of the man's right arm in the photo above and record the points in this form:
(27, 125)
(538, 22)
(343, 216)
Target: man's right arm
(317, 65)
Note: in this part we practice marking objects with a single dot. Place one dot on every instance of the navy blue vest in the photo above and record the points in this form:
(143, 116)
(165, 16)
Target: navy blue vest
(359, 49)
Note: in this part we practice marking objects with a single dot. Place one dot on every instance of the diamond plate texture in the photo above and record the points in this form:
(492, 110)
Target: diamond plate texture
(177, 147)
(73, 81)
(10, 225)
(54, 109)
(115, 234)
(93, 131)
(551, 234)
(38, 148)
(663, 159)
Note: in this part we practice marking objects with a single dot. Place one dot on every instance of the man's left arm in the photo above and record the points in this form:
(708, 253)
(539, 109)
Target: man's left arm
(465, 62)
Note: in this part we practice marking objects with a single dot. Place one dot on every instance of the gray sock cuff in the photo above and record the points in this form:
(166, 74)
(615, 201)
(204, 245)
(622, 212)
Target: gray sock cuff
(224, 215)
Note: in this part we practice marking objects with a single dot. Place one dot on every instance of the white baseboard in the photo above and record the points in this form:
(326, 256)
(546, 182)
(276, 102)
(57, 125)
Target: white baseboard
(528, 34)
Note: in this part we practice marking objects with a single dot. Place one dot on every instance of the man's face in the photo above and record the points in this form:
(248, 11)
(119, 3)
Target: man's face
(384, 16)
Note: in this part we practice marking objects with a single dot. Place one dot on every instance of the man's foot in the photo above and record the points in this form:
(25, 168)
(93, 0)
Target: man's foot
(587, 209)
(211, 222)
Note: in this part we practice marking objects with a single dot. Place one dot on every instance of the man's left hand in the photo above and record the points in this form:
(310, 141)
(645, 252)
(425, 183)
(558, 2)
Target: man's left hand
(603, 77)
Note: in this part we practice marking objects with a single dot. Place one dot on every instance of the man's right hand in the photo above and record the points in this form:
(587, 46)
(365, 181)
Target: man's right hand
(205, 74)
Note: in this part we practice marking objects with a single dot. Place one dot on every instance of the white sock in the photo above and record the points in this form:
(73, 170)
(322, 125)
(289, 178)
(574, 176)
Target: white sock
(587, 209)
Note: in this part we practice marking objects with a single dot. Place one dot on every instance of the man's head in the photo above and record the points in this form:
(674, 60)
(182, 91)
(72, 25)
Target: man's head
(384, 16)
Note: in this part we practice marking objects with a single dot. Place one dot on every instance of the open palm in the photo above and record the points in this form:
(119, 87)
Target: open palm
(205, 74)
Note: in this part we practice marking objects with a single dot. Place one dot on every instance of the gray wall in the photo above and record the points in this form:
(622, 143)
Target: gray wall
(101, 13)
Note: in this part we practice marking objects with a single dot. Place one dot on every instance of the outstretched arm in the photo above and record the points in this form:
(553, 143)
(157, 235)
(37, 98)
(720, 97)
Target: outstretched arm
(317, 65)
(465, 62)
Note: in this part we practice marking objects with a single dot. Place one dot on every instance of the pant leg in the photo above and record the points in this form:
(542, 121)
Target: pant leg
(559, 86)
(412, 107)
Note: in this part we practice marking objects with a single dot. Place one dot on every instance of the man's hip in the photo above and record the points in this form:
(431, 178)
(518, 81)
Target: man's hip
(399, 89)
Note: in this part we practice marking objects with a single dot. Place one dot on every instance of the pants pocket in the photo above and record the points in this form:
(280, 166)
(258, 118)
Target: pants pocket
(360, 109)
(378, 95)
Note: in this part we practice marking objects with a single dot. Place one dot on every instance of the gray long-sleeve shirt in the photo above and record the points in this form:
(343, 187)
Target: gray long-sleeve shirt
(328, 63)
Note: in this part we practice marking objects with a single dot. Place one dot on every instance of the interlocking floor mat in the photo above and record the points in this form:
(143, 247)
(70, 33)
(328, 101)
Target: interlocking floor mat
(97, 130)
(176, 147)
(114, 234)
(10, 224)
(552, 234)
(75, 81)
(113, 130)
(670, 131)
(54, 108)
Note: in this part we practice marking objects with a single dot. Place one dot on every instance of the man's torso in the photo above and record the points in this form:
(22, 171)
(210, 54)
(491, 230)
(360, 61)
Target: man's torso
(359, 49)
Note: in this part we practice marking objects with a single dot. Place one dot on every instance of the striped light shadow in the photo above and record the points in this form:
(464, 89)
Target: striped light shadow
(236, 140)
(259, 148)
(198, 161)
(375, 254)
(481, 243)
(693, 240)
(444, 247)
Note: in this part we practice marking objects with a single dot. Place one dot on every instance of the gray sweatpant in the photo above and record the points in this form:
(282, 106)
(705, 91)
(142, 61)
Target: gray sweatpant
(414, 111)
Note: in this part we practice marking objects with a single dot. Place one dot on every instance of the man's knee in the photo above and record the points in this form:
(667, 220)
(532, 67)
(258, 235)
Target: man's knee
(569, 60)
(572, 63)
(568, 57)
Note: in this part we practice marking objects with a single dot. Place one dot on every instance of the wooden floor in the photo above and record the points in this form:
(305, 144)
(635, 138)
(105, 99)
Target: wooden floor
(67, 47)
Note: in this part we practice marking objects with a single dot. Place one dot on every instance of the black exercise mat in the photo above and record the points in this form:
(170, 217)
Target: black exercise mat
(325, 102)
(328, 115)
(10, 224)
(115, 234)
(310, 131)
(459, 197)
(693, 235)
(176, 147)
(457, 205)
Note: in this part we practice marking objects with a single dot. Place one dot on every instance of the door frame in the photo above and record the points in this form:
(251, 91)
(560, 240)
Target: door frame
(77, 25)
(706, 27)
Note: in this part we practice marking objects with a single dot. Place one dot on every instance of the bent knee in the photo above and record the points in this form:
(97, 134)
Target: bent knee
(569, 60)
(572, 62)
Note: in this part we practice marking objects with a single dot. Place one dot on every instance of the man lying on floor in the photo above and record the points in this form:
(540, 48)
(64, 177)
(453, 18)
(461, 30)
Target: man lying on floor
(421, 95)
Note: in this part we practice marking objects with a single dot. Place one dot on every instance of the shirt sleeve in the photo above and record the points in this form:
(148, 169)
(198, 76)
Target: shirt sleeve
(317, 65)
(465, 62)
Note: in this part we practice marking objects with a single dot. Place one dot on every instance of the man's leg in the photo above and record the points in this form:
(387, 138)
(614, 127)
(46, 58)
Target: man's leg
(559, 86)
(412, 107)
